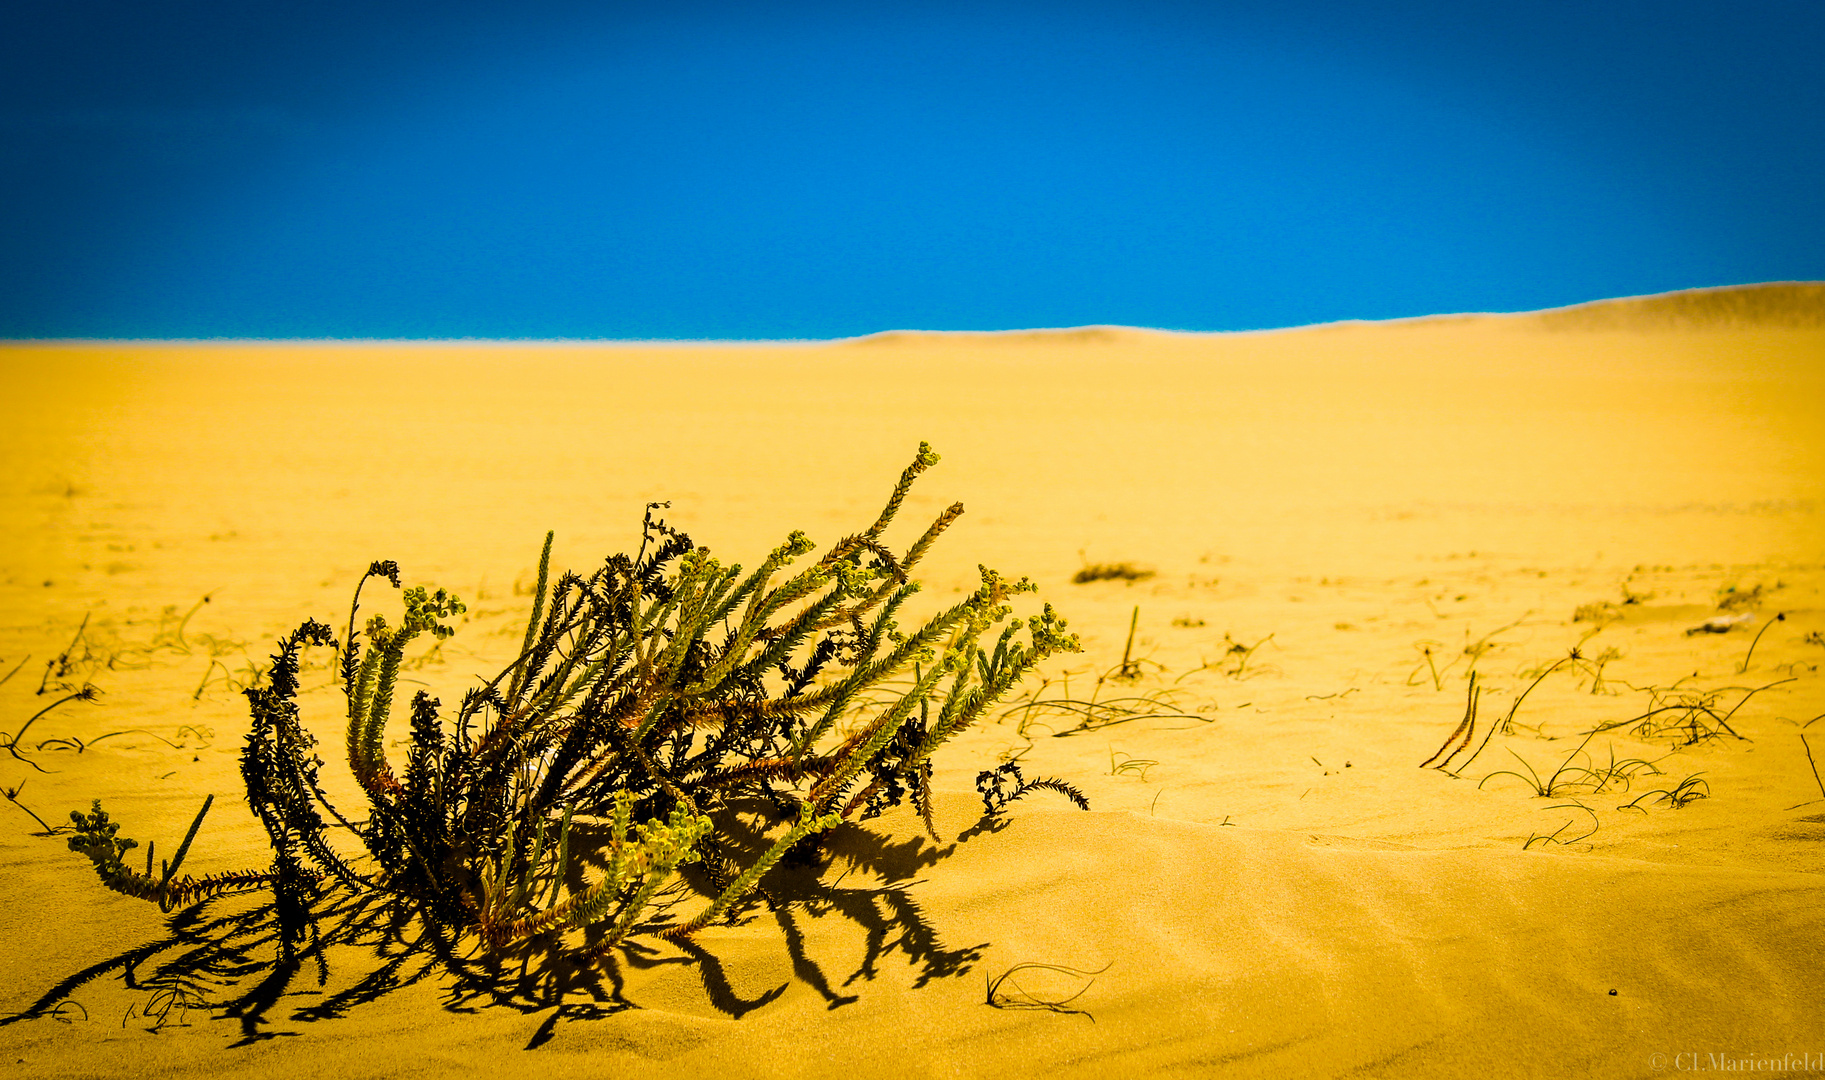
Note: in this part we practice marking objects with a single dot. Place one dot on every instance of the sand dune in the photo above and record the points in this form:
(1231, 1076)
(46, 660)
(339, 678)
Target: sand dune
(1783, 303)
(1341, 522)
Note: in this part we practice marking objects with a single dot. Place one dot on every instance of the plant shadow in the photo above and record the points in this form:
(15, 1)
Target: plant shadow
(223, 955)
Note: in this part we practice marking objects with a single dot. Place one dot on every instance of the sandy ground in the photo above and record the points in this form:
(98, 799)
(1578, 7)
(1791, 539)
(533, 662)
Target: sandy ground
(1342, 523)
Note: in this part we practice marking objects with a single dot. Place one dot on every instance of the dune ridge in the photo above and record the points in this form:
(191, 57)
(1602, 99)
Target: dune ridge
(1776, 303)
(1799, 304)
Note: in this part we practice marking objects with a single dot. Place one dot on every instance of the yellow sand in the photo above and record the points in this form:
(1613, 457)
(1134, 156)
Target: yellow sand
(1282, 893)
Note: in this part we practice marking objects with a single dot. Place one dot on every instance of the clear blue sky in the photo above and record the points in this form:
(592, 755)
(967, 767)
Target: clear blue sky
(697, 170)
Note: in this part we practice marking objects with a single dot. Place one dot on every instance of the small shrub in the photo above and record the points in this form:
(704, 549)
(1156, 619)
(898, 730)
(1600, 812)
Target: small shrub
(647, 697)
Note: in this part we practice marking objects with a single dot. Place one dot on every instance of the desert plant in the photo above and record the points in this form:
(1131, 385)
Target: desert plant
(1130, 669)
(1019, 997)
(1743, 668)
(1095, 712)
(1689, 716)
(1549, 788)
(1554, 837)
(1427, 649)
(1594, 665)
(1241, 654)
(1506, 724)
(1811, 763)
(99, 839)
(1462, 734)
(1122, 571)
(1687, 791)
(646, 698)
(1129, 765)
(1004, 784)
(11, 743)
(1732, 598)
(1590, 776)
(1473, 652)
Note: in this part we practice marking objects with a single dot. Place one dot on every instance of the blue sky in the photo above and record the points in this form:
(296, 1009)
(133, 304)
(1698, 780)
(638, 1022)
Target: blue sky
(695, 170)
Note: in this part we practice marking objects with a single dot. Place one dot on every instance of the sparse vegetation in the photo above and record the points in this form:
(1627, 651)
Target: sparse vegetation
(1129, 765)
(1743, 668)
(1470, 655)
(1233, 662)
(1428, 649)
(11, 743)
(1588, 777)
(1686, 792)
(1095, 712)
(1557, 836)
(1506, 724)
(1462, 734)
(1734, 599)
(1122, 571)
(1006, 992)
(1129, 668)
(1594, 665)
(1688, 717)
(1601, 611)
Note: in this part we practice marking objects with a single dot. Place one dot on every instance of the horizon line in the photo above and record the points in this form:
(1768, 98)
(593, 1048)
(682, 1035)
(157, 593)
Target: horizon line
(1086, 329)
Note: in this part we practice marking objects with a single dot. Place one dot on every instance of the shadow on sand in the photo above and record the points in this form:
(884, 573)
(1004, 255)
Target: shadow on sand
(223, 955)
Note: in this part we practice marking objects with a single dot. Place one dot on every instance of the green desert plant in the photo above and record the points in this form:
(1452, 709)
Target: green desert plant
(1565, 776)
(99, 839)
(646, 699)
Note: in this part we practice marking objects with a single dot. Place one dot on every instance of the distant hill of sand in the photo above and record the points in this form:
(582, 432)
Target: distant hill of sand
(1769, 304)
(1776, 303)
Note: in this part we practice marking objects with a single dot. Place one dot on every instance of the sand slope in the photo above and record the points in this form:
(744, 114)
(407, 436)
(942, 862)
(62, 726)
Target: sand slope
(1273, 885)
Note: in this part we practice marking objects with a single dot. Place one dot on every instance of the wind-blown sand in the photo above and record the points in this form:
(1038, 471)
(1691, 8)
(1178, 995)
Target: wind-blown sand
(1268, 882)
